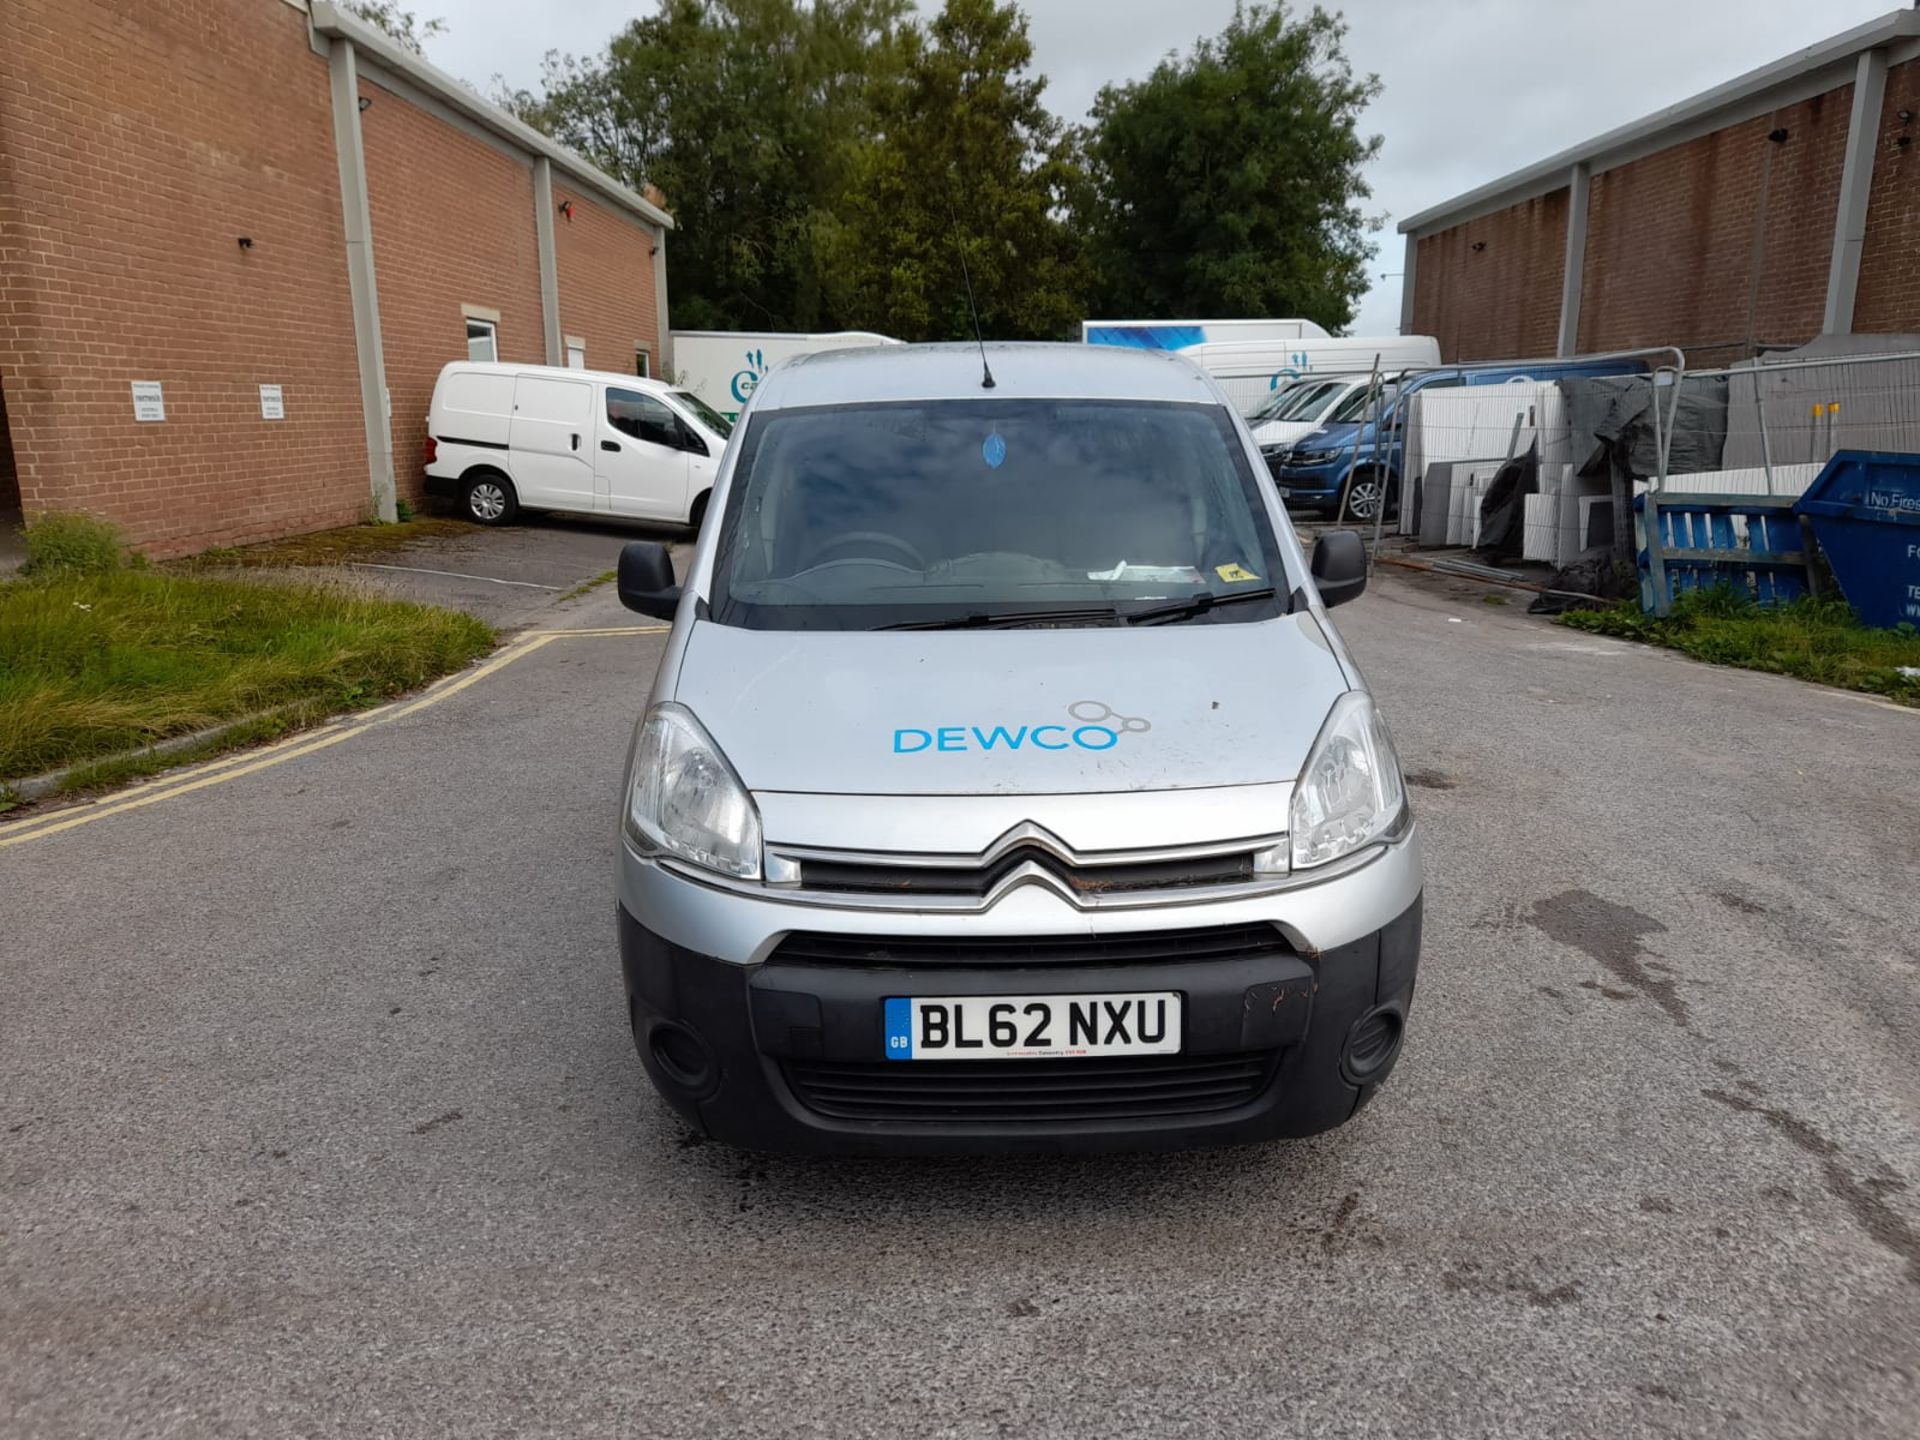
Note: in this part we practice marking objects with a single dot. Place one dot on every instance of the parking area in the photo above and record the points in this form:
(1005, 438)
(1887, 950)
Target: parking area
(318, 1110)
(507, 576)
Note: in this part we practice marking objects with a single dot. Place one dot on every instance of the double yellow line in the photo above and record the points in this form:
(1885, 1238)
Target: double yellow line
(265, 757)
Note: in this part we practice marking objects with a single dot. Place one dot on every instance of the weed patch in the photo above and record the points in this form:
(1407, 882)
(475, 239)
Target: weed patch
(324, 547)
(1820, 640)
(585, 586)
(69, 543)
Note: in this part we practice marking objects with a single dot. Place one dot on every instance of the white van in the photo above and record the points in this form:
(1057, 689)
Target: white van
(723, 366)
(1253, 372)
(1300, 408)
(500, 437)
(1185, 334)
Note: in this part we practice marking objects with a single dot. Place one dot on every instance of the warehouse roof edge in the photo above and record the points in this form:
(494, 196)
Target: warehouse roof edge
(333, 21)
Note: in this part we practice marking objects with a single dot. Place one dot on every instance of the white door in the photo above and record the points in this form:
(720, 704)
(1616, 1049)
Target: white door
(551, 442)
(641, 462)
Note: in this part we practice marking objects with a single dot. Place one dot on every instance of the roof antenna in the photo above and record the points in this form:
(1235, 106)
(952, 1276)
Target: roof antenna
(986, 375)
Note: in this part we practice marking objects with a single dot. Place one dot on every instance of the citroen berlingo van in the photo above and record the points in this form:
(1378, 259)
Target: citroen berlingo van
(1005, 785)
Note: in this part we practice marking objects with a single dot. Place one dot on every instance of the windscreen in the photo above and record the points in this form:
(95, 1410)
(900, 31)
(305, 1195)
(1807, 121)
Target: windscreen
(1360, 404)
(1282, 405)
(704, 413)
(863, 517)
(1303, 402)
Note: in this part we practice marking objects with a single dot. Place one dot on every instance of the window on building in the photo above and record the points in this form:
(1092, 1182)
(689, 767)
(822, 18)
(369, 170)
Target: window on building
(642, 362)
(642, 417)
(576, 353)
(481, 340)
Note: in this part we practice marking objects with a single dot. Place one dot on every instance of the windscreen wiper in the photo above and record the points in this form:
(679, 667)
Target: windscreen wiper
(1197, 605)
(992, 619)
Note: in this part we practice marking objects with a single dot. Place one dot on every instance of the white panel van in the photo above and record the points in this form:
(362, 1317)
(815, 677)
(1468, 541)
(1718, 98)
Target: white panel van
(1253, 372)
(589, 442)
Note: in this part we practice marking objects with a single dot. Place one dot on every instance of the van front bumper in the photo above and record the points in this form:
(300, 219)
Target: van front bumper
(784, 1050)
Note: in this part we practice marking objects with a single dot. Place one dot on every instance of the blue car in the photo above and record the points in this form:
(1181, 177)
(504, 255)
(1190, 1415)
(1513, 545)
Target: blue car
(1312, 472)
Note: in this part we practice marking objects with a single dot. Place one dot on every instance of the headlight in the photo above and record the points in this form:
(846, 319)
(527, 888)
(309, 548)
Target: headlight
(1314, 457)
(1276, 448)
(684, 799)
(1350, 792)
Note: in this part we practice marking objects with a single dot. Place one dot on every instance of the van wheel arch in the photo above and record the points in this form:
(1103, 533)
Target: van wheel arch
(697, 512)
(487, 496)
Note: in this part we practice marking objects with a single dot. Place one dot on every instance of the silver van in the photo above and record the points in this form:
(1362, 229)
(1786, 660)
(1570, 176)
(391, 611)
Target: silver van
(1005, 785)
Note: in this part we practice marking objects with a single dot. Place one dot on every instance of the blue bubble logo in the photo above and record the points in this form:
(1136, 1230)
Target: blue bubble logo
(993, 450)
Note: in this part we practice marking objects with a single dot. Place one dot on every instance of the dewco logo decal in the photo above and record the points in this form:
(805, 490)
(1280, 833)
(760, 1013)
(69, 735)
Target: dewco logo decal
(1093, 725)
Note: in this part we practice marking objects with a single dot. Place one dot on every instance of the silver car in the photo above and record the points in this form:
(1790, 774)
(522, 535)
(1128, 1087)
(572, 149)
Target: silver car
(1005, 785)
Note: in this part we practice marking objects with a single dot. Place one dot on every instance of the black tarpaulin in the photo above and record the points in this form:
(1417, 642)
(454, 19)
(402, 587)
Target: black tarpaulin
(1503, 513)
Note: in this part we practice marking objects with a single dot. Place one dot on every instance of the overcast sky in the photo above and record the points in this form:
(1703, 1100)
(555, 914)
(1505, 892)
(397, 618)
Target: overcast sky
(1473, 88)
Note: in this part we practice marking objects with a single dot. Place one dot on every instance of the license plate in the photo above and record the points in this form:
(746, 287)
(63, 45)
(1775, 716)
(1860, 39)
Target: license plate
(1029, 1027)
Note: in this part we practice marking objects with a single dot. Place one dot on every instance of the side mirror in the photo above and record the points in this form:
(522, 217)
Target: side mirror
(645, 580)
(1339, 567)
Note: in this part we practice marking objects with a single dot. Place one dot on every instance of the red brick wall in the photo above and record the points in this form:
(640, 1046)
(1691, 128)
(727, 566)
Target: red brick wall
(1501, 301)
(137, 143)
(604, 261)
(453, 225)
(1671, 238)
(1888, 300)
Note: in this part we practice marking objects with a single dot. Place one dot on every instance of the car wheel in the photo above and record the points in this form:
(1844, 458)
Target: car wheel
(1364, 494)
(490, 499)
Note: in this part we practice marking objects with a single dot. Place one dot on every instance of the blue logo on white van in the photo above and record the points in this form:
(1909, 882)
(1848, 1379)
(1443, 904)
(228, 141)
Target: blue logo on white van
(1095, 726)
(746, 381)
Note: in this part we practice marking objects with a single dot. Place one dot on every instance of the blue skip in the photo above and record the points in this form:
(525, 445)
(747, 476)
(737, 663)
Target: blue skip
(1865, 512)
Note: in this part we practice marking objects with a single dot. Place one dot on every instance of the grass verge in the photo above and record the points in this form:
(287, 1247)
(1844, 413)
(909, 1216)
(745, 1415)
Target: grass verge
(96, 663)
(1818, 640)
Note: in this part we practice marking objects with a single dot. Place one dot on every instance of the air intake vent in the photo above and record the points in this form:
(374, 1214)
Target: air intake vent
(982, 1091)
(1152, 947)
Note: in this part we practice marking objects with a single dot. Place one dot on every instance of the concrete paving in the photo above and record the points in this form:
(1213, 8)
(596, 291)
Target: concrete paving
(318, 1114)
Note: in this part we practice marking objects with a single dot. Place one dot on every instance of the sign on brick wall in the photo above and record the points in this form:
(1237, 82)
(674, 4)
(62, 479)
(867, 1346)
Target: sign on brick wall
(272, 405)
(149, 402)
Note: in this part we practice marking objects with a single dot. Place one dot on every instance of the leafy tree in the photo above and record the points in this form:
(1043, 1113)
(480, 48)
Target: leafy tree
(966, 158)
(744, 114)
(402, 25)
(1228, 181)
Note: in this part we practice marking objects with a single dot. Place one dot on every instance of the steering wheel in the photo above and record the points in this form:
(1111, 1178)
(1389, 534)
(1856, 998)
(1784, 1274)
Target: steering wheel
(854, 538)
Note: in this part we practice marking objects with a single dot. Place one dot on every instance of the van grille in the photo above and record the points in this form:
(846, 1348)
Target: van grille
(1138, 1087)
(869, 878)
(1150, 947)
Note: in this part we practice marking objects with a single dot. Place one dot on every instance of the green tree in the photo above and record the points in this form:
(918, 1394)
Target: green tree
(744, 113)
(403, 25)
(1228, 182)
(965, 157)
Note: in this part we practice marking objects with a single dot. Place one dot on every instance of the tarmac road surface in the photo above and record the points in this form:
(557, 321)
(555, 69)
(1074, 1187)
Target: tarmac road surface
(318, 1114)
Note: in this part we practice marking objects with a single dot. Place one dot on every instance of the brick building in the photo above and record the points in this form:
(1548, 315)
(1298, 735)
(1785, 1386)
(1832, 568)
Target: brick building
(1780, 206)
(267, 223)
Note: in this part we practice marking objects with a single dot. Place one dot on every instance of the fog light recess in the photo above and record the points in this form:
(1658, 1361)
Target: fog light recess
(1372, 1044)
(683, 1058)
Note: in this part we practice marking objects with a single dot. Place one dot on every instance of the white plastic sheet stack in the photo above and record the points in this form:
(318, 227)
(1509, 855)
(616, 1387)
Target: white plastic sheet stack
(1540, 529)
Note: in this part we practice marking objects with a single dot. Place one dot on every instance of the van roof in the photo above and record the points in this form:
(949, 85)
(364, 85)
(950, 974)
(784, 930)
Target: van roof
(503, 367)
(952, 372)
